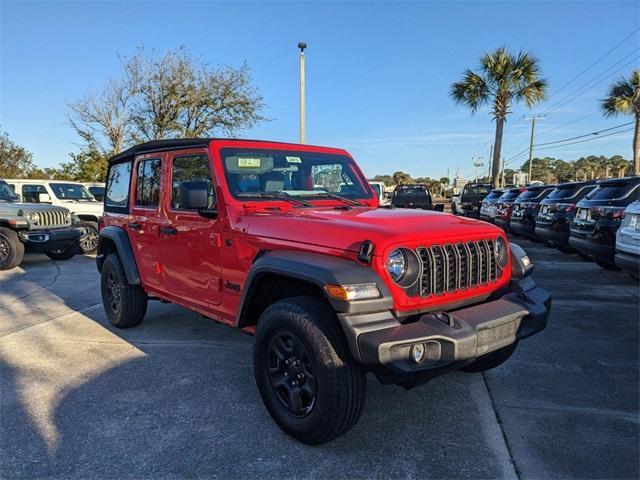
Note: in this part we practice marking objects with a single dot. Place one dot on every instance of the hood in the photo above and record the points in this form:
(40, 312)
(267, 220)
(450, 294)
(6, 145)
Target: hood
(28, 207)
(79, 207)
(347, 229)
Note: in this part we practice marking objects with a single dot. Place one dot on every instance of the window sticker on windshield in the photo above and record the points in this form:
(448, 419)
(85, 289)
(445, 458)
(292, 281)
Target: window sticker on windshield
(294, 159)
(245, 162)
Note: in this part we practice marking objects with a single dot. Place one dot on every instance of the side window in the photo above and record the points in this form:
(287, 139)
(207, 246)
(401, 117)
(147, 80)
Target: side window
(190, 172)
(117, 190)
(30, 193)
(148, 183)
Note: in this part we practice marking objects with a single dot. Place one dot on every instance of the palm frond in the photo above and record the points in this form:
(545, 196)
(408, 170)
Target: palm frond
(471, 91)
(623, 97)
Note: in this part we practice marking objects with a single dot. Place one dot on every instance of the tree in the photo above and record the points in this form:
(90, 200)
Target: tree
(386, 179)
(402, 178)
(158, 97)
(15, 161)
(624, 99)
(503, 79)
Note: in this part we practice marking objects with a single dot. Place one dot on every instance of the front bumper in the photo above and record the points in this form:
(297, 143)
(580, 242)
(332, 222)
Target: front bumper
(47, 240)
(451, 339)
(503, 222)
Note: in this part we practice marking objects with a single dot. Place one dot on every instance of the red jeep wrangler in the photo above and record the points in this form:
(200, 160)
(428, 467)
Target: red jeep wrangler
(287, 242)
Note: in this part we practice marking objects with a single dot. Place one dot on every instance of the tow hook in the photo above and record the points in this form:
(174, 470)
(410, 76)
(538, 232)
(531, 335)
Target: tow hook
(446, 318)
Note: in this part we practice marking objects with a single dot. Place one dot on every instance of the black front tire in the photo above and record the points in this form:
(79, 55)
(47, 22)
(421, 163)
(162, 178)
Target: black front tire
(610, 266)
(126, 305)
(89, 239)
(11, 249)
(492, 360)
(331, 389)
(63, 253)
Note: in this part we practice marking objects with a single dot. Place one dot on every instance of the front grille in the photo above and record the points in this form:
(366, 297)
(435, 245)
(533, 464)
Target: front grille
(457, 266)
(52, 218)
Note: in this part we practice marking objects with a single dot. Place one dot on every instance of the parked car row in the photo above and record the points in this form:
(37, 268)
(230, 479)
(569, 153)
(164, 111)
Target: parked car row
(584, 217)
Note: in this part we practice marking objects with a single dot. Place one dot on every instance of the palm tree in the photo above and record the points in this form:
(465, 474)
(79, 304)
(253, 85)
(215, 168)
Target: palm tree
(624, 99)
(502, 79)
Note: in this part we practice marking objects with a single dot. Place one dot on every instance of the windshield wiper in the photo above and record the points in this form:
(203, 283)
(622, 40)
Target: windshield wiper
(337, 197)
(275, 195)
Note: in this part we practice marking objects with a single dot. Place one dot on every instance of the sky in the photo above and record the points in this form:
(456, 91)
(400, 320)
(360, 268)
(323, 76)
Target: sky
(378, 73)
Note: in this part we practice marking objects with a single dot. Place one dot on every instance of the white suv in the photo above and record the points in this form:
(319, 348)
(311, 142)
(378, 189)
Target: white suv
(628, 240)
(71, 195)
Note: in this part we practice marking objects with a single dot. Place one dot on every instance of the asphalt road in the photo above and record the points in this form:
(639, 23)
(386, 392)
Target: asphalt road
(175, 397)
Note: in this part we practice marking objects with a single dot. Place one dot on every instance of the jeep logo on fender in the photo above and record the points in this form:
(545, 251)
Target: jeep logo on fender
(234, 287)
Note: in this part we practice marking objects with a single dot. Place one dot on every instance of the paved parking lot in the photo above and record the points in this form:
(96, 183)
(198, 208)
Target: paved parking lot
(175, 397)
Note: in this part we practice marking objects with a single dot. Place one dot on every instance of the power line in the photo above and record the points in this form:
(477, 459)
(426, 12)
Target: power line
(589, 139)
(595, 62)
(586, 134)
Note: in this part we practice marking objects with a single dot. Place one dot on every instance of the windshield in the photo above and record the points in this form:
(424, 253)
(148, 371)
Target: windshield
(70, 191)
(407, 194)
(256, 172)
(97, 192)
(6, 193)
(608, 192)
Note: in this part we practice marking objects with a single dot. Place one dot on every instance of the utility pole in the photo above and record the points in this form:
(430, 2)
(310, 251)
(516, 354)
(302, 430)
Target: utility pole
(533, 129)
(502, 174)
(302, 46)
(477, 164)
(490, 161)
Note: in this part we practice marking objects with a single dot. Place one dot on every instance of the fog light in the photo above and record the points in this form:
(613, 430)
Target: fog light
(417, 352)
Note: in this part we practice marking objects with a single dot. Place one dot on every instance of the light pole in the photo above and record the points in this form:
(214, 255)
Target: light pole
(477, 164)
(533, 129)
(302, 46)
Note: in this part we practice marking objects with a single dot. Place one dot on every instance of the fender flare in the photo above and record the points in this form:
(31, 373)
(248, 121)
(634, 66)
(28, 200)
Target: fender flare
(319, 270)
(120, 239)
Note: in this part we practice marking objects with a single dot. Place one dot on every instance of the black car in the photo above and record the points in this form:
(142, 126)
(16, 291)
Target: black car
(556, 212)
(488, 207)
(413, 196)
(504, 207)
(471, 198)
(525, 210)
(598, 216)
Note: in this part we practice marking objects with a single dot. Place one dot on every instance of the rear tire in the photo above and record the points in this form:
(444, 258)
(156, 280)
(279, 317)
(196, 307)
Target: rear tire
(11, 249)
(126, 305)
(491, 360)
(89, 239)
(311, 386)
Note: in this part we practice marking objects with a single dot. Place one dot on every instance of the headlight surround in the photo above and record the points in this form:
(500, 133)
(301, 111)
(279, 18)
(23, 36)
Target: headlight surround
(34, 218)
(502, 253)
(404, 267)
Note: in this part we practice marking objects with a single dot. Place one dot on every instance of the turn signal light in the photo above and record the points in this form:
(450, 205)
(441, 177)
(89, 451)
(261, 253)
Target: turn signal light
(363, 291)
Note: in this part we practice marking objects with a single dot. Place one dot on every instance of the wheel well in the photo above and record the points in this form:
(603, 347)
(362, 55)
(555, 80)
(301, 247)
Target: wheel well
(271, 288)
(105, 247)
(88, 218)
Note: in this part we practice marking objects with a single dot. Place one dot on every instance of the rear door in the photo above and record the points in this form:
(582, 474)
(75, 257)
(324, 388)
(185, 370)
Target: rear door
(146, 218)
(191, 244)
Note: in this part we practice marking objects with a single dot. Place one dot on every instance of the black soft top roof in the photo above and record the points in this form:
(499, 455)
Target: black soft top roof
(159, 146)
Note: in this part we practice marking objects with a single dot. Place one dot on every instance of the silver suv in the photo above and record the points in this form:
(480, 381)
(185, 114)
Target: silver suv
(34, 227)
(628, 240)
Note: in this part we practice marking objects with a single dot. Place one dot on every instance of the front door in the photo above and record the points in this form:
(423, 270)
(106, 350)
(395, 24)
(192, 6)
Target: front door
(191, 243)
(145, 221)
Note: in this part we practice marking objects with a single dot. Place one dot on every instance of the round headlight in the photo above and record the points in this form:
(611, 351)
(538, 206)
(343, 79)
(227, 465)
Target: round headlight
(502, 253)
(33, 218)
(397, 265)
(404, 267)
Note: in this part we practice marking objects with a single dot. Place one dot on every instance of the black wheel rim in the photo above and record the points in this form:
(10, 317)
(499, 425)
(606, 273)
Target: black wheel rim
(89, 239)
(291, 374)
(113, 292)
(5, 249)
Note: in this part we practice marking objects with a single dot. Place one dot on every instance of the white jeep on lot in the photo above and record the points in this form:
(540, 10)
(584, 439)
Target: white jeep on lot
(71, 195)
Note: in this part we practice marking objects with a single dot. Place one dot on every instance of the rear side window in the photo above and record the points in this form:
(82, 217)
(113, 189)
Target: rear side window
(148, 183)
(117, 190)
(493, 196)
(190, 170)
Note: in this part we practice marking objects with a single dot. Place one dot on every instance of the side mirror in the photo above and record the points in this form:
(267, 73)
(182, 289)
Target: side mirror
(44, 198)
(195, 196)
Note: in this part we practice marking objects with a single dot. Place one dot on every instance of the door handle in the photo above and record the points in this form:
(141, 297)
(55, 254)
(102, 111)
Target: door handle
(134, 226)
(169, 231)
